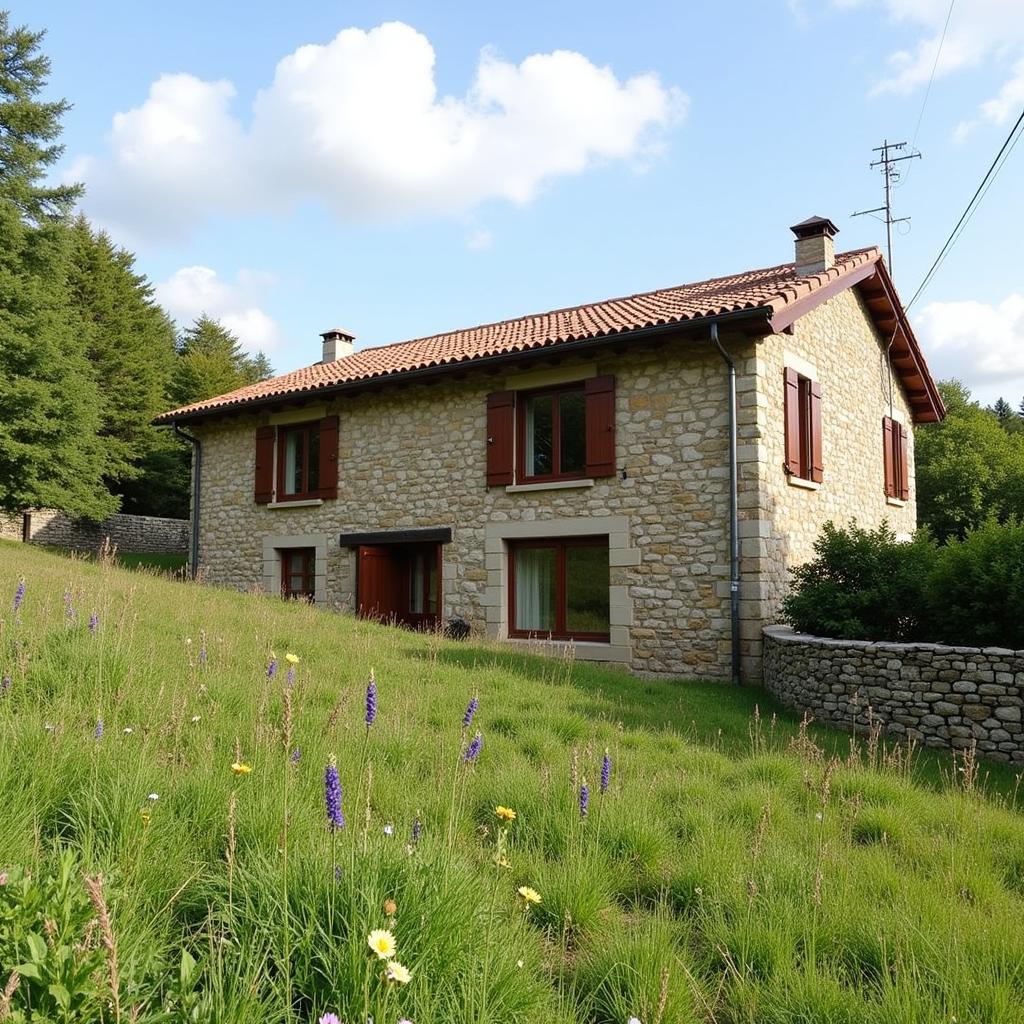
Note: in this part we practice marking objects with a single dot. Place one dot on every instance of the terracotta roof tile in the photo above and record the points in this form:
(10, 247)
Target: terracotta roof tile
(771, 288)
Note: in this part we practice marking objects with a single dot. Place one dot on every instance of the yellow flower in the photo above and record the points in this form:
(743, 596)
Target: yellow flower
(398, 972)
(146, 816)
(502, 862)
(292, 659)
(240, 768)
(505, 813)
(529, 895)
(382, 942)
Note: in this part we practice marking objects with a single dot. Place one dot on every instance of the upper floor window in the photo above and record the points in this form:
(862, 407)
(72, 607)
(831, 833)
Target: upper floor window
(297, 462)
(803, 427)
(558, 433)
(894, 459)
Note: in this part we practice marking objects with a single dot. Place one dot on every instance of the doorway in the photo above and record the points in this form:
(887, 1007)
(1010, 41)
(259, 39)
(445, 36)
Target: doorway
(400, 583)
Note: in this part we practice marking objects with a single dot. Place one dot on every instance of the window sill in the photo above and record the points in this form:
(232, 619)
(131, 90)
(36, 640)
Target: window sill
(549, 485)
(298, 503)
(896, 502)
(799, 481)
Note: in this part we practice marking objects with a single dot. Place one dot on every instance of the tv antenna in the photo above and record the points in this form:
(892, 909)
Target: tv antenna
(887, 161)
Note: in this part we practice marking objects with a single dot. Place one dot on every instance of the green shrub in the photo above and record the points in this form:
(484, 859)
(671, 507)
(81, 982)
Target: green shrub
(976, 589)
(862, 585)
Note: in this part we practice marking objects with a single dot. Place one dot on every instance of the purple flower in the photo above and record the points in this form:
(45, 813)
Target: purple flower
(329, 1018)
(272, 668)
(290, 679)
(606, 772)
(69, 608)
(338, 873)
(203, 657)
(417, 829)
(467, 718)
(371, 700)
(473, 750)
(332, 795)
(295, 756)
(5, 685)
(19, 595)
(94, 622)
(98, 731)
(584, 799)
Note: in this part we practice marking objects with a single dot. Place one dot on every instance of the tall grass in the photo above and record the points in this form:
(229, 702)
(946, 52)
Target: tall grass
(739, 868)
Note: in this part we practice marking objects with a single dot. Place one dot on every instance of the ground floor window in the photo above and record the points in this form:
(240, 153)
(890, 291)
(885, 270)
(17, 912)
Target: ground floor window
(298, 573)
(559, 588)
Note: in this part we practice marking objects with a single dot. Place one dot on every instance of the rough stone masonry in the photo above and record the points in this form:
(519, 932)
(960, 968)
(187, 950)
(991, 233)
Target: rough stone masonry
(952, 697)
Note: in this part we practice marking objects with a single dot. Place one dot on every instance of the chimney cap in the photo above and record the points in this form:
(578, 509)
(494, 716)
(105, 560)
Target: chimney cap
(815, 226)
(338, 332)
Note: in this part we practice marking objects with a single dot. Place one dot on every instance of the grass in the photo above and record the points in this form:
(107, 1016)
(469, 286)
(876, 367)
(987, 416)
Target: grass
(170, 564)
(740, 868)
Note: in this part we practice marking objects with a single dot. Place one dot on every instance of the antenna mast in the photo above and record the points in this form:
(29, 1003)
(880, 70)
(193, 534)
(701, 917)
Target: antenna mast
(887, 161)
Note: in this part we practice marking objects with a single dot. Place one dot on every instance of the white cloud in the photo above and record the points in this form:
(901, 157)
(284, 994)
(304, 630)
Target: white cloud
(357, 124)
(978, 343)
(191, 291)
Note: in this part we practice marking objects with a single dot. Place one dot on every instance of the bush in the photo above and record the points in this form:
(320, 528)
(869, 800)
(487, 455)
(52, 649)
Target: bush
(866, 585)
(862, 585)
(975, 591)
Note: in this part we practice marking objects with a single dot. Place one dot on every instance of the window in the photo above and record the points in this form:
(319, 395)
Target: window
(894, 459)
(423, 583)
(557, 433)
(298, 461)
(560, 588)
(803, 427)
(298, 574)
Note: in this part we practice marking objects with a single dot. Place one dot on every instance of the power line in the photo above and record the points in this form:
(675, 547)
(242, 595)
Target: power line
(931, 77)
(990, 176)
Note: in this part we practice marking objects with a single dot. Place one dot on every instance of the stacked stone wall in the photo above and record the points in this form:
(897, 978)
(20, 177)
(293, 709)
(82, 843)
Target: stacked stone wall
(128, 533)
(954, 697)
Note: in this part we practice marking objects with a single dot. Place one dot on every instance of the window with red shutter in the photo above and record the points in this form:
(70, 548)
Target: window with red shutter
(329, 457)
(903, 478)
(802, 418)
(500, 437)
(600, 426)
(264, 482)
(889, 456)
(895, 463)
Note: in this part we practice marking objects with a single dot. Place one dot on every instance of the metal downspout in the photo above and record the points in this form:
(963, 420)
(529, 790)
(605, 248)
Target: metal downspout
(734, 513)
(197, 476)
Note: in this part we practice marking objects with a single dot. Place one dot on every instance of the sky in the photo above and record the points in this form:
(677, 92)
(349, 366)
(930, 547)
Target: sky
(400, 169)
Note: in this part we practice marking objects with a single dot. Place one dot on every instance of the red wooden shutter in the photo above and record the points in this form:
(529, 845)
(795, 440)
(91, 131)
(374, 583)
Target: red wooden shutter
(264, 484)
(600, 420)
(888, 456)
(501, 407)
(329, 457)
(903, 481)
(791, 380)
(817, 463)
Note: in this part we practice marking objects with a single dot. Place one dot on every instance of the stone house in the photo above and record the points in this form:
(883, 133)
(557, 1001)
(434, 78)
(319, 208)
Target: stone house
(633, 476)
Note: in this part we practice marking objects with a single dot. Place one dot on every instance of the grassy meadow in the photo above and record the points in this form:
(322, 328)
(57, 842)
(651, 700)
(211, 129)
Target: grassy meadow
(738, 867)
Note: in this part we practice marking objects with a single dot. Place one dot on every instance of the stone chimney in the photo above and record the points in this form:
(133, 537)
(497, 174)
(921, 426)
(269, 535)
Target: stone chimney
(338, 343)
(814, 249)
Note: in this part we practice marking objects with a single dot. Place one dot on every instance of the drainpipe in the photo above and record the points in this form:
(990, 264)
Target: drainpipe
(734, 514)
(197, 476)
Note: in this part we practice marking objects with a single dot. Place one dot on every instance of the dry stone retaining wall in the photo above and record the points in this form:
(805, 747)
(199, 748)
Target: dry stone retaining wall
(936, 695)
(135, 534)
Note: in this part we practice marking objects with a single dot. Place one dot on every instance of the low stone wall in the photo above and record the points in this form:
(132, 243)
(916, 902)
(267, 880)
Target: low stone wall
(151, 535)
(936, 695)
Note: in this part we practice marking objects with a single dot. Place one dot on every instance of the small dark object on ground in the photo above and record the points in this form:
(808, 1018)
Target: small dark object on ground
(457, 628)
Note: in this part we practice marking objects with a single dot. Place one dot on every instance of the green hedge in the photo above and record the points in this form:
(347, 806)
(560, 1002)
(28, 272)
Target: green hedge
(867, 585)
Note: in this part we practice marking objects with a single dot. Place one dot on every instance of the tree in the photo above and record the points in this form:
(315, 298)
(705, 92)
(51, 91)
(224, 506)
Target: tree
(211, 362)
(1002, 410)
(968, 467)
(50, 450)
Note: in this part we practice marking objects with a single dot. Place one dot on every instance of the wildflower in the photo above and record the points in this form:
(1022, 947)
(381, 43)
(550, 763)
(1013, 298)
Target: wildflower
(505, 813)
(819, 816)
(529, 895)
(332, 795)
(196, 718)
(606, 771)
(398, 972)
(19, 595)
(5, 684)
(371, 700)
(153, 797)
(338, 873)
(292, 659)
(272, 666)
(584, 799)
(94, 622)
(417, 829)
(48, 727)
(146, 815)
(382, 942)
(296, 756)
(98, 731)
(503, 862)
(473, 750)
(519, 963)
(241, 768)
(389, 829)
(3, 877)
(405, 1020)
(69, 608)
(467, 718)
(202, 647)
(633, 1020)
(329, 1018)
(390, 907)
(128, 730)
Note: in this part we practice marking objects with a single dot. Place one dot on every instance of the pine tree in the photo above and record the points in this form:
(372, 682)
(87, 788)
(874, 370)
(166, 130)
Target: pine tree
(1002, 410)
(211, 362)
(50, 450)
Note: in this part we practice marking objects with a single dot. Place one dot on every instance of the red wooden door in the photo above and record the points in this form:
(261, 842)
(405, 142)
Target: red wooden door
(380, 583)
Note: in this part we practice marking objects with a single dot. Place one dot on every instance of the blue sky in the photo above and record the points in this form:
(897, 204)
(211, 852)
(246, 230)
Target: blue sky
(406, 168)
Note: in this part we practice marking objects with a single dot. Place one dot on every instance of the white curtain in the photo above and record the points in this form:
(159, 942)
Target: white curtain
(535, 589)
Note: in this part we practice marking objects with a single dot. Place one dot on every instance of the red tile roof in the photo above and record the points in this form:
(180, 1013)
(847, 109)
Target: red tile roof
(771, 289)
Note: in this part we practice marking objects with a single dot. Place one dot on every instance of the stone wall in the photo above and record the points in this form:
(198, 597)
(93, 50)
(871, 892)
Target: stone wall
(939, 696)
(135, 534)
